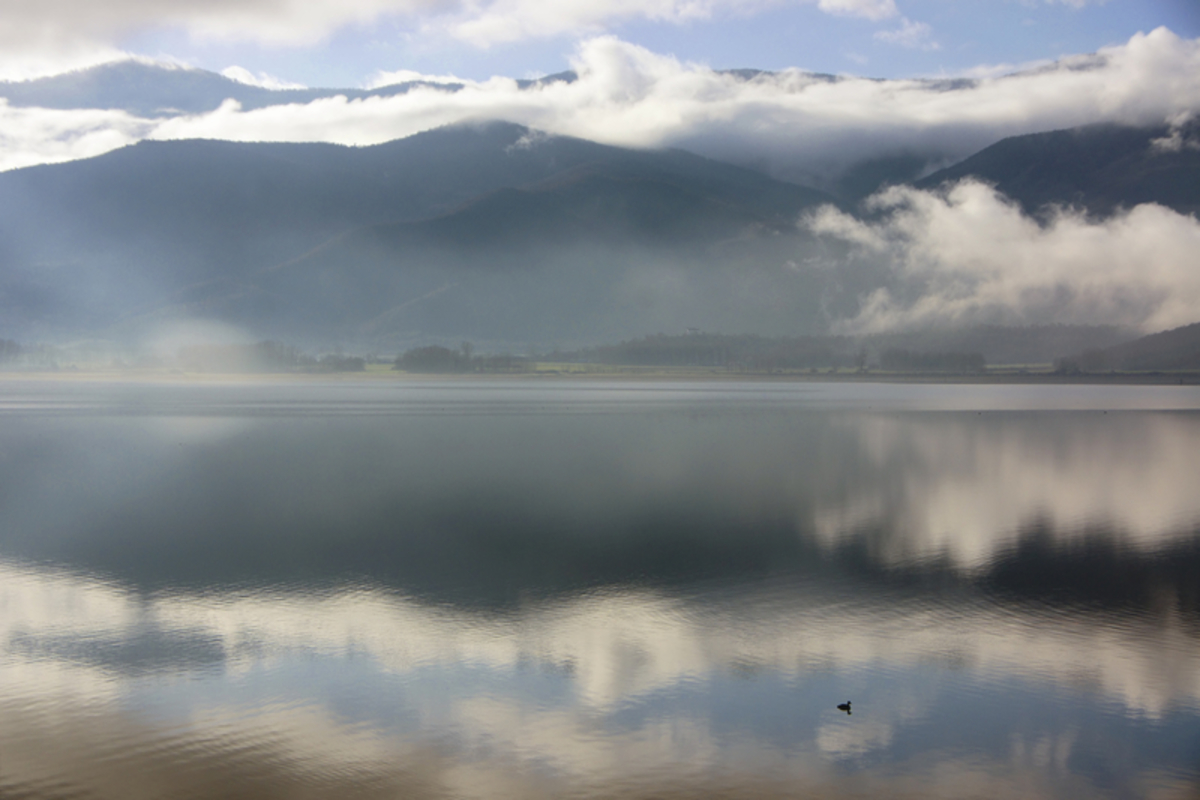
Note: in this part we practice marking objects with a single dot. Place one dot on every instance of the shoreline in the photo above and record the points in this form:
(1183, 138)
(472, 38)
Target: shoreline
(648, 374)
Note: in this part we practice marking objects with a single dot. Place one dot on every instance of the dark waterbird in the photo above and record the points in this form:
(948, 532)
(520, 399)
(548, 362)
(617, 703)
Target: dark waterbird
(844, 707)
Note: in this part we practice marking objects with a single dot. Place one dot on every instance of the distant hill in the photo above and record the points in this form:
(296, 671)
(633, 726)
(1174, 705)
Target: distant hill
(90, 242)
(154, 90)
(592, 252)
(496, 233)
(995, 345)
(1099, 168)
(1177, 349)
(1001, 345)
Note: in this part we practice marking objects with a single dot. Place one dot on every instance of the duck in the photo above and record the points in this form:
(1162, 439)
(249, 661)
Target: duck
(844, 707)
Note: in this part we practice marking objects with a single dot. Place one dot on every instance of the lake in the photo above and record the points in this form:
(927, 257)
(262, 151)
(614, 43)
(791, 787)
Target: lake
(493, 589)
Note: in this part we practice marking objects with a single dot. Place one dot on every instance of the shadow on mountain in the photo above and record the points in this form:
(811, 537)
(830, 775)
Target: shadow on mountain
(592, 252)
(202, 227)
(1097, 168)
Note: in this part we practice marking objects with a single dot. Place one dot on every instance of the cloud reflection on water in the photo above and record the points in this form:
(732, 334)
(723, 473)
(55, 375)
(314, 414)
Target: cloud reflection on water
(603, 658)
(486, 505)
(667, 599)
(965, 487)
(613, 646)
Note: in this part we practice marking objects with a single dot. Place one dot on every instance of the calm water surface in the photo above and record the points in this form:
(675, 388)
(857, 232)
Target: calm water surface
(492, 589)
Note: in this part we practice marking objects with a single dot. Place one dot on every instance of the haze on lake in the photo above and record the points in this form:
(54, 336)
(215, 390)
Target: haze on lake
(508, 589)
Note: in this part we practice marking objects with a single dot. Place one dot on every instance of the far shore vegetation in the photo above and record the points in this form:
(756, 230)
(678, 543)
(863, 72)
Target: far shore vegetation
(1168, 357)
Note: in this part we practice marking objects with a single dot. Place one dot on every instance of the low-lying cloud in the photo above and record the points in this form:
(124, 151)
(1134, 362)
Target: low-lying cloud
(262, 79)
(794, 124)
(968, 255)
(30, 136)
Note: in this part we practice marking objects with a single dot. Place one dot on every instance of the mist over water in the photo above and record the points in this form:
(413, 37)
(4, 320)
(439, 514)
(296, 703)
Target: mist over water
(503, 589)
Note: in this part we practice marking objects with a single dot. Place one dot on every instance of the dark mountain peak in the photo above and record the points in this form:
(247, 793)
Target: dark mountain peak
(1098, 168)
(157, 89)
(566, 76)
(746, 74)
(490, 133)
(141, 88)
(605, 202)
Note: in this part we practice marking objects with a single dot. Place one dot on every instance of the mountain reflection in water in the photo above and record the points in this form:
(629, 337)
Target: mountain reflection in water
(492, 590)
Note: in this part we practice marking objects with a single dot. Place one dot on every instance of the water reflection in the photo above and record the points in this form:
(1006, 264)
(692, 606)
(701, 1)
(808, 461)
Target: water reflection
(649, 601)
(585, 691)
(964, 485)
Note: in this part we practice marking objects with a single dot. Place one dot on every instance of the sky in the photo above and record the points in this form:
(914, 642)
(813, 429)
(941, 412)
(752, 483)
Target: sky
(348, 43)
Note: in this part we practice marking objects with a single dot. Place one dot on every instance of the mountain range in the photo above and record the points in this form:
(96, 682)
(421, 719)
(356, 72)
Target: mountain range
(156, 90)
(240, 230)
(491, 232)
(1176, 349)
(1097, 168)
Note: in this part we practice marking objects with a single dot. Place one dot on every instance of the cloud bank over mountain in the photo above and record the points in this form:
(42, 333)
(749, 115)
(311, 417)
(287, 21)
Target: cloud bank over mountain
(794, 124)
(967, 255)
(30, 136)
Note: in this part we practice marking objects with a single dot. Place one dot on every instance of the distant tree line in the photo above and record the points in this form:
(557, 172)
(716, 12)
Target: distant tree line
(265, 356)
(1091, 360)
(1034, 344)
(900, 360)
(34, 356)
(260, 357)
(759, 353)
(335, 362)
(1176, 349)
(766, 354)
(437, 359)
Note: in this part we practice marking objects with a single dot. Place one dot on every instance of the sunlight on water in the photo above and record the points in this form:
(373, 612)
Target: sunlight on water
(493, 590)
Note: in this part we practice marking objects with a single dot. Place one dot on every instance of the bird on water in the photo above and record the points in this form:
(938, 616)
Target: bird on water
(845, 707)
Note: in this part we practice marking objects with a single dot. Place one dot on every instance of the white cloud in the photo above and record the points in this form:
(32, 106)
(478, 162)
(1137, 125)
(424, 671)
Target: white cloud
(1176, 142)
(867, 9)
(914, 35)
(31, 136)
(23, 63)
(243, 75)
(968, 255)
(1000, 70)
(800, 126)
(1179, 139)
(383, 78)
(515, 20)
(53, 25)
